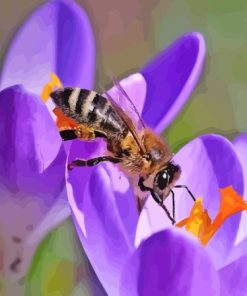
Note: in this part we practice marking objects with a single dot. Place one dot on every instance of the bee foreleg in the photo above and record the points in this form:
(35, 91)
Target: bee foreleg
(173, 204)
(158, 199)
(142, 186)
(160, 203)
(92, 162)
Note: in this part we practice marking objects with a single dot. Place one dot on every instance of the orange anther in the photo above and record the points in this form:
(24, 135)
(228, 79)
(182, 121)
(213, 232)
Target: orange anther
(199, 222)
(50, 86)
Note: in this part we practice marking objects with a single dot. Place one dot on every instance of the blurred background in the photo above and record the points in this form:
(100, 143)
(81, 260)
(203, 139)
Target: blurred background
(127, 34)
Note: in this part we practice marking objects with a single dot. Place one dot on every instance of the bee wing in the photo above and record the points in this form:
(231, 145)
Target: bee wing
(127, 120)
(123, 100)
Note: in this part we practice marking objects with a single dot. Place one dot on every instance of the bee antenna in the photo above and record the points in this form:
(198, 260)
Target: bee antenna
(185, 187)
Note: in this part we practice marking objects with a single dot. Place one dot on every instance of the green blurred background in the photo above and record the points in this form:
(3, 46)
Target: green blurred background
(127, 34)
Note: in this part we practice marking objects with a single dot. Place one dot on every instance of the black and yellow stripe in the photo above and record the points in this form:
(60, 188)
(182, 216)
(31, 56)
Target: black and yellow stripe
(88, 107)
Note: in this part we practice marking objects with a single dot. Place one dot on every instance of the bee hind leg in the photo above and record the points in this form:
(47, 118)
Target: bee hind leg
(79, 132)
(92, 162)
(86, 133)
(68, 135)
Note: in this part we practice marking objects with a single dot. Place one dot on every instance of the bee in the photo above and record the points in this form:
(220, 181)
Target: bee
(131, 144)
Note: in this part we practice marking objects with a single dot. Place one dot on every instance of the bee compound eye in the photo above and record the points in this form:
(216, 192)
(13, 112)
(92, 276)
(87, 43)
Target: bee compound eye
(162, 180)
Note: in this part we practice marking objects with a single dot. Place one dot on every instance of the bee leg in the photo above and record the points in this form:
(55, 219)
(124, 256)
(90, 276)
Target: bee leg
(87, 133)
(173, 204)
(142, 186)
(79, 132)
(185, 187)
(67, 135)
(158, 200)
(77, 163)
(160, 203)
(92, 162)
(140, 203)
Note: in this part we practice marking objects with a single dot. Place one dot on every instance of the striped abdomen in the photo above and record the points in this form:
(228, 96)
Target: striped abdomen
(88, 107)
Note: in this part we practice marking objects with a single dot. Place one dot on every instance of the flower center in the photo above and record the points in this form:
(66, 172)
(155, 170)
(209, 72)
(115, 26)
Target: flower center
(199, 222)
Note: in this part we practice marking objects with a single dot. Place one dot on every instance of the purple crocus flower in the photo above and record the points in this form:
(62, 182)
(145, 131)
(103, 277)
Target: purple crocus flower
(32, 176)
(169, 261)
(145, 256)
(240, 144)
(208, 163)
(101, 199)
(57, 37)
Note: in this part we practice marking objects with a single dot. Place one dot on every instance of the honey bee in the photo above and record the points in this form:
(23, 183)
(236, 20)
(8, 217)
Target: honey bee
(130, 144)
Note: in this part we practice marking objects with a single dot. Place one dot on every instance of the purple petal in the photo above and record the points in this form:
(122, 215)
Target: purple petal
(151, 220)
(95, 212)
(169, 263)
(27, 130)
(240, 144)
(237, 251)
(233, 278)
(57, 38)
(208, 163)
(32, 181)
(171, 77)
(124, 199)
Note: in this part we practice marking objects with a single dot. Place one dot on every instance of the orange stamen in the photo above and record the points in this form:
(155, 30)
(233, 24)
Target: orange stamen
(50, 86)
(199, 222)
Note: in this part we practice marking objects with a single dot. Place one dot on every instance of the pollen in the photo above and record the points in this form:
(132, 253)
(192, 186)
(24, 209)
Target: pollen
(63, 122)
(199, 223)
(50, 86)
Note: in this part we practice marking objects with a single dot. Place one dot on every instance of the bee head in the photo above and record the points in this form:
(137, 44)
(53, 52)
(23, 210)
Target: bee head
(165, 179)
